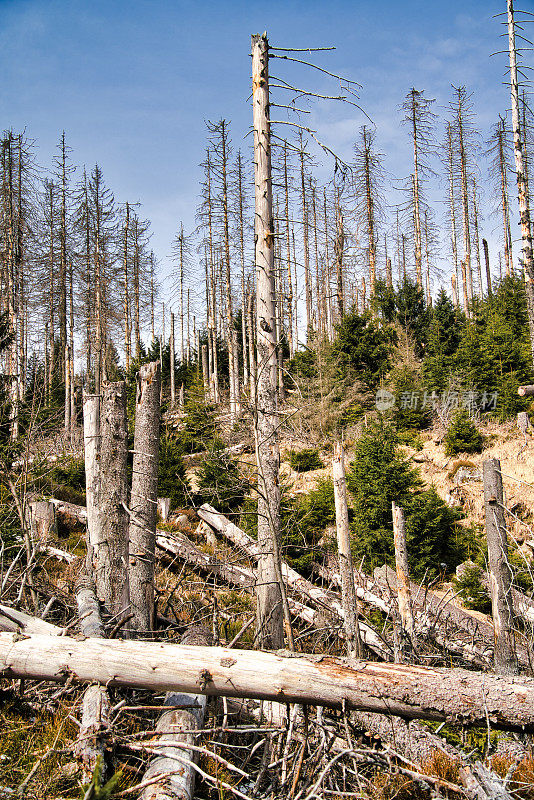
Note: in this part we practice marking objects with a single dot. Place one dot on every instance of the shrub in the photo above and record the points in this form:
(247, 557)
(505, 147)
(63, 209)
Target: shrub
(302, 523)
(172, 478)
(220, 483)
(305, 460)
(472, 591)
(463, 436)
(379, 475)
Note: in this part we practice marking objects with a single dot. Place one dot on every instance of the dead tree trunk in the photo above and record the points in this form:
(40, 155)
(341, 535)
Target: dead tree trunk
(110, 552)
(403, 576)
(144, 497)
(43, 521)
(172, 362)
(348, 591)
(499, 570)
(269, 594)
(91, 437)
(524, 207)
(178, 726)
(408, 691)
(488, 269)
(96, 706)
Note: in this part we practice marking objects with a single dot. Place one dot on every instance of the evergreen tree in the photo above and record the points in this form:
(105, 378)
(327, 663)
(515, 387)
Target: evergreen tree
(379, 475)
(362, 350)
(443, 338)
(172, 478)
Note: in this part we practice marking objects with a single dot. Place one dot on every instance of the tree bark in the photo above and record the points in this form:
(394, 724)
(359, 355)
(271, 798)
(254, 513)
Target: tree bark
(348, 591)
(269, 592)
(499, 571)
(407, 691)
(91, 437)
(175, 763)
(144, 495)
(110, 552)
(404, 596)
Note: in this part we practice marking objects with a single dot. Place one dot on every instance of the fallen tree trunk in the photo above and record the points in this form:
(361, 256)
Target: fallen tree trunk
(96, 707)
(407, 691)
(178, 545)
(178, 726)
(295, 581)
(415, 742)
(13, 621)
(445, 624)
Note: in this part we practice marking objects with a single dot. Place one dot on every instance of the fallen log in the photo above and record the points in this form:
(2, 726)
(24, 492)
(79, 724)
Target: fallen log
(96, 707)
(178, 545)
(412, 692)
(13, 621)
(178, 726)
(526, 391)
(296, 582)
(445, 624)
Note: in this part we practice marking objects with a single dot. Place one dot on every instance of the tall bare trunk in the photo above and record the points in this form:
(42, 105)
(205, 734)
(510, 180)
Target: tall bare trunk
(110, 553)
(268, 591)
(500, 576)
(403, 575)
(524, 206)
(144, 496)
(346, 569)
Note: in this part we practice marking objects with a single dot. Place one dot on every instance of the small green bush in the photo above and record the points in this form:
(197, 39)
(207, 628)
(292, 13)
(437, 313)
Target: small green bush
(305, 460)
(472, 591)
(172, 478)
(463, 436)
(220, 483)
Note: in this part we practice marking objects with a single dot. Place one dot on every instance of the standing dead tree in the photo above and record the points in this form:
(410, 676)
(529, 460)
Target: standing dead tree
(520, 169)
(346, 569)
(144, 495)
(269, 595)
(500, 577)
(110, 553)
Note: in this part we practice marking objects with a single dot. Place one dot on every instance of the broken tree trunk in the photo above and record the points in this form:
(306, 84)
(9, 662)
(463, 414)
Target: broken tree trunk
(144, 497)
(91, 440)
(88, 608)
(13, 621)
(408, 691)
(43, 521)
(404, 596)
(348, 590)
(526, 391)
(178, 726)
(90, 744)
(110, 551)
(295, 581)
(500, 576)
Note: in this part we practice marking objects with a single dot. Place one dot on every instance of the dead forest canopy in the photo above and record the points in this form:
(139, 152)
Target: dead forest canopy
(335, 466)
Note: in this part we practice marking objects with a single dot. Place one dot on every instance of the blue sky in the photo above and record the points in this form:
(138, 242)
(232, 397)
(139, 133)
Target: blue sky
(133, 82)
